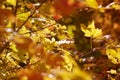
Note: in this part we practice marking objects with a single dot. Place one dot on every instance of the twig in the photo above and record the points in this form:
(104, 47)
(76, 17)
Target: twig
(42, 28)
(15, 13)
(28, 18)
(99, 48)
(117, 76)
(93, 50)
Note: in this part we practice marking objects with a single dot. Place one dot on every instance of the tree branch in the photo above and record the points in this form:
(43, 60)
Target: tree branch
(28, 18)
(93, 50)
(15, 13)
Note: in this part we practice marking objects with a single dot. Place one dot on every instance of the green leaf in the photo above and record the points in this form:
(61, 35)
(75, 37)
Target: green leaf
(92, 3)
(11, 2)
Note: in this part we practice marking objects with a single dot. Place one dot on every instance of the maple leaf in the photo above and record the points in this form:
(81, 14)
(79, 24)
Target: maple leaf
(91, 31)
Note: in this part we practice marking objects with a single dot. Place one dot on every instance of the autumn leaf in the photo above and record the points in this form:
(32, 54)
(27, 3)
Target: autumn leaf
(113, 55)
(24, 43)
(91, 31)
(65, 7)
(69, 61)
(75, 72)
(71, 29)
(29, 74)
(6, 14)
(11, 2)
(23, 16)
(92, 3)
(112, 71)
(53, 59)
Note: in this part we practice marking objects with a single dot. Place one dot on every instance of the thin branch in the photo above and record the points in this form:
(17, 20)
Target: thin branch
(15, 13)
(93, 50)
(28, 18)
(117, 76)
(42, 28)
(97, 49)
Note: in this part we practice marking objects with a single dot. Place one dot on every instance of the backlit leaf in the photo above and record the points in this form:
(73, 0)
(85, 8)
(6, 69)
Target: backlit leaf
(113, 55)
(13, 47)
(23, 16)
(10, 59)
(69, 62)
(112, 71)
(71, 29)
(92, 3)
(11, 2)
(91, 31)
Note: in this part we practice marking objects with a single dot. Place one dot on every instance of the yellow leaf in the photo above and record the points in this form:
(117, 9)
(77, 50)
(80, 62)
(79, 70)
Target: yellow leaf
(10, 59)
(13, 47)
(71, 29)
(97, 33)
(69, 65)
(112, 71)
(86, 30)
(69, 61)
(92, 3)
(91, 31)
(23, 16)
(92, 25)
(113, 55)
(116, 7)
(11, 2)
(24, 30)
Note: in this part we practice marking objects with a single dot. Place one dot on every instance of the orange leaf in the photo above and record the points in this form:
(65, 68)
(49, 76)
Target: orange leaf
(29, 74)
(5, 14)
(53, 59)
(24, 43)
(65, 7)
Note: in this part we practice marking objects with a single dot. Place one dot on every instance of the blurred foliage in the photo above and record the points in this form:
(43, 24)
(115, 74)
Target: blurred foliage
(59, 39)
